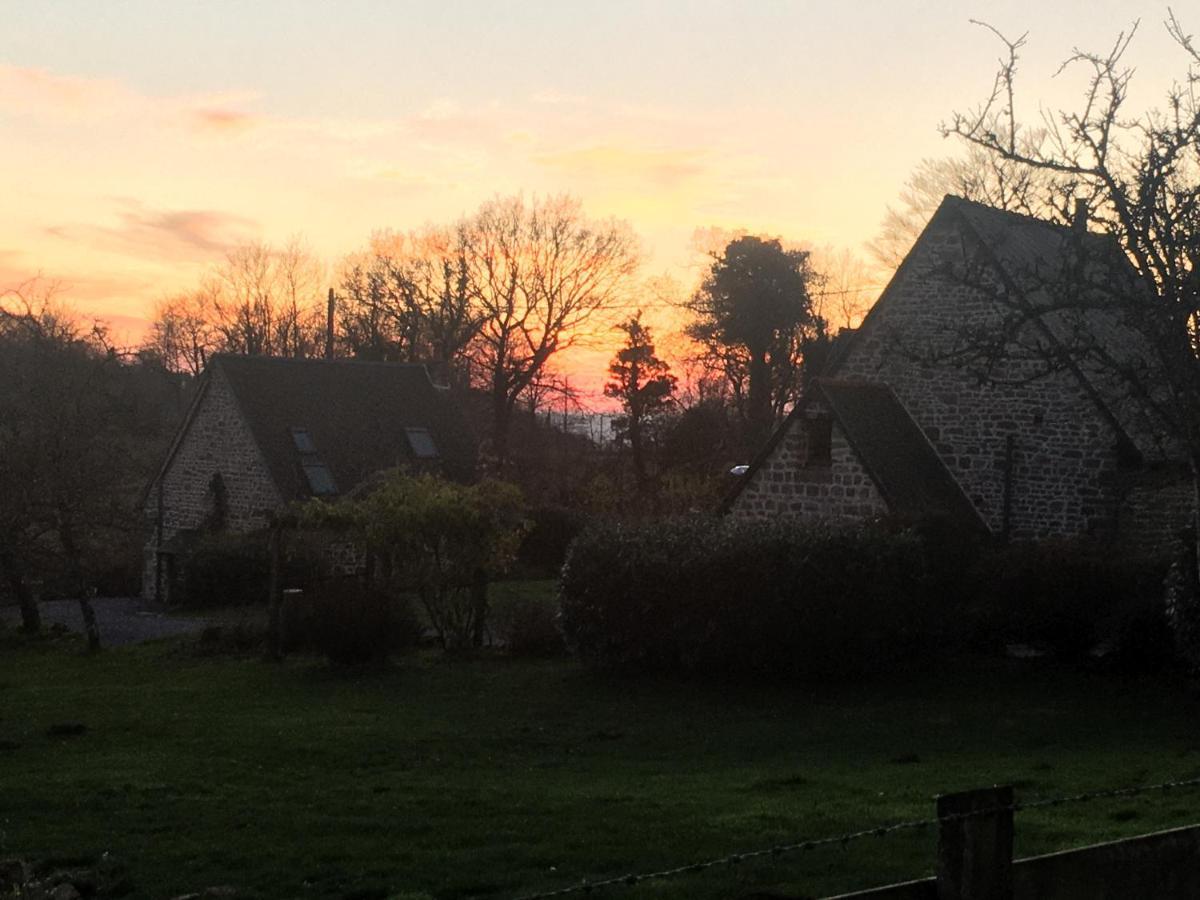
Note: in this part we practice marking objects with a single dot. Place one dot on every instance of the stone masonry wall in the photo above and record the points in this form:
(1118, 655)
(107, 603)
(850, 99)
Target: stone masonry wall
(217, 440)
(1063, 449)
(785, 485)
(1157, 507)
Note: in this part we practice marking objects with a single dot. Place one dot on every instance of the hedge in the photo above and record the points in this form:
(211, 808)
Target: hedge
(786, 599)
(770, 598)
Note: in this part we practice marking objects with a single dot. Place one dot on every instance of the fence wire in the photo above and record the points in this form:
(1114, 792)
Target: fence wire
(732, 859)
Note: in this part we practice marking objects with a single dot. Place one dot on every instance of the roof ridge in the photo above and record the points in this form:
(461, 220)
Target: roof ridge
(1011, 213)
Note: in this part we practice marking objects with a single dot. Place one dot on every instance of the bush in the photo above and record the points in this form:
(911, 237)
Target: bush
(525, 622)
(775, 598)
(550, 532)
(350, 622)
(225, 569)
(1072, 598)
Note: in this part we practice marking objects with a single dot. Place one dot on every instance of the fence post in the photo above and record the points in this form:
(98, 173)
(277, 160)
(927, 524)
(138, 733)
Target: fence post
(975, 854)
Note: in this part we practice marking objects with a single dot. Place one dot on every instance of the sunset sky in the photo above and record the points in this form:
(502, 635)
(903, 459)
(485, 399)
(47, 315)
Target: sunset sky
(139, 140)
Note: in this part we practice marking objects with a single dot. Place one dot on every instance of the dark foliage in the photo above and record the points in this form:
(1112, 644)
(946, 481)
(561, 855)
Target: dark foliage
(783, 599)
(551, 530)
(527, 625)
(350, 622)
(1072, 599)
(772, 598)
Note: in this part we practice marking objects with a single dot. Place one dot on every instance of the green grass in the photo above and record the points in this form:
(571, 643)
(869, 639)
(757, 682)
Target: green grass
(493, 777)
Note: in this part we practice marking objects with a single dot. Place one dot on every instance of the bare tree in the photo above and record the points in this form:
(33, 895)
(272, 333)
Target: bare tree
(1139, 176)
(539, 273)
(978, 175)
(269, 301)
(408, 298)
(183, 334)
(843, 287)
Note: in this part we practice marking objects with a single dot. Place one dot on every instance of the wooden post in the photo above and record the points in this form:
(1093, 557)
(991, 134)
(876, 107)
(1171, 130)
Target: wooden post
(975, 853)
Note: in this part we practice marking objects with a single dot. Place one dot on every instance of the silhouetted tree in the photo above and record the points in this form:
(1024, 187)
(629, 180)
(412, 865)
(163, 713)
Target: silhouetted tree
(754, 320)
(538, 272)
(183, 334)
(408, 298)
(643, 384)
(79, 430)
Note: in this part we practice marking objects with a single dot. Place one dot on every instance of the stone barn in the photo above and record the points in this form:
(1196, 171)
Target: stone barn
(964, 394)
(262, 432)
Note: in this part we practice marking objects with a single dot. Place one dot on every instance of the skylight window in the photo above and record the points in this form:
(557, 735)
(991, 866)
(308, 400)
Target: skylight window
(421, 442)
(320, 479)
(303, 440)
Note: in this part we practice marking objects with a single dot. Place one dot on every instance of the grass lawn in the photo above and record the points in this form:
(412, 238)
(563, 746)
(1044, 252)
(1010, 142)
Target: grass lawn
(492, 777)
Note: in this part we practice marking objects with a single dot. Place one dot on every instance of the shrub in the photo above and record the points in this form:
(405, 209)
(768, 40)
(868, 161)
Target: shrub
(776, 598)
(550, 532)
(525, 622)
(225, 569)
(350, 622)
(1071, 598)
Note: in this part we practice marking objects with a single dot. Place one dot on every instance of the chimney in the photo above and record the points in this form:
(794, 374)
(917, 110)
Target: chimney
(329, 326)
(1079, 222)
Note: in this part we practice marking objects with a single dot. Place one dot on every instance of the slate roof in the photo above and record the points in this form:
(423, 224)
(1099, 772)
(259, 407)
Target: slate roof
(906, 469)
(355, 412)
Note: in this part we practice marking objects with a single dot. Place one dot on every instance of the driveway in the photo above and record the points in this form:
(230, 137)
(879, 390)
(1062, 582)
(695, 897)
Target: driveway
(121, 620)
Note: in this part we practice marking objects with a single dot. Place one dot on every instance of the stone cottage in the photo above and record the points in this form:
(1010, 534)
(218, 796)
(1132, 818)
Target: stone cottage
(262, 432)
(963, 395)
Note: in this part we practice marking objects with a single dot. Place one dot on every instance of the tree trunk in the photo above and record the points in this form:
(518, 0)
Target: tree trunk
(89, 624)
(31, 617)
(501, 421)
(479, 606)
(758, 413)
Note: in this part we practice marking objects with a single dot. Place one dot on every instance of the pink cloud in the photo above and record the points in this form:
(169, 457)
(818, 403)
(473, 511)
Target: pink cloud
(223, 121)
(193, 235)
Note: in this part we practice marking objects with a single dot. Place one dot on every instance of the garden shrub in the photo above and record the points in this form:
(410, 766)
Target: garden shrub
(350, 621)
(777, 598)
(525, 623)
(1072, 598)
(549, 533)
(225, 569)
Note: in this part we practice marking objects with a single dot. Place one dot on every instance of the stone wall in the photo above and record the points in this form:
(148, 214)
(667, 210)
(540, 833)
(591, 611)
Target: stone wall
(217, 441)
(1062, 447)
(786, 484)
(1157, 506)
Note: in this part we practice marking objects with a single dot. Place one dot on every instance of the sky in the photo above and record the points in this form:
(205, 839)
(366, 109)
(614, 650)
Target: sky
(140, 140)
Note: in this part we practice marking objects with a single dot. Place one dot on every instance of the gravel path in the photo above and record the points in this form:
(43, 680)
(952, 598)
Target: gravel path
(122, 620)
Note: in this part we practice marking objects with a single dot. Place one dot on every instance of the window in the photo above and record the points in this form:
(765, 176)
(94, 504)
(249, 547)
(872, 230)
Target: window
(819, 435)
(303, 440)
(421, 442)
(320, 480)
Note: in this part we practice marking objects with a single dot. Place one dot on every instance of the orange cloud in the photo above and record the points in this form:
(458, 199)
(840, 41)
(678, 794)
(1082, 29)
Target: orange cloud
(223, 121)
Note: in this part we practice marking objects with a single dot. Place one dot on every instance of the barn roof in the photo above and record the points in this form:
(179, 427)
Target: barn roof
(904, 466)
(906, 469)
(348, 417)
